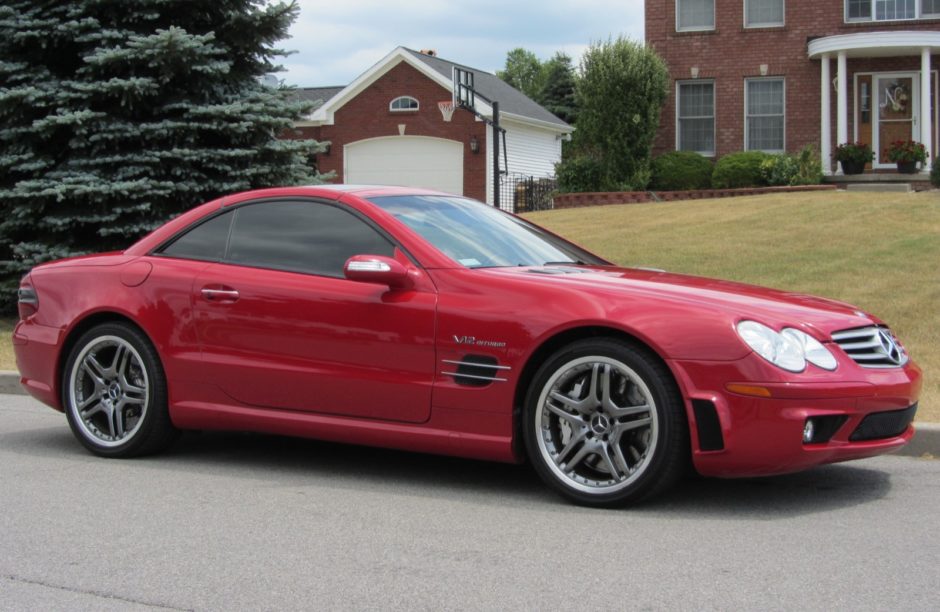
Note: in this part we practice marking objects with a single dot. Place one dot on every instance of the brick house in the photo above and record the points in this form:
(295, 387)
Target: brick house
(386, 128)
(775, 75)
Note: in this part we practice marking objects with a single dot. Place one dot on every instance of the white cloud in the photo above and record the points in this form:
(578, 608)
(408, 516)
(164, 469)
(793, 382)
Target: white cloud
(335, 42)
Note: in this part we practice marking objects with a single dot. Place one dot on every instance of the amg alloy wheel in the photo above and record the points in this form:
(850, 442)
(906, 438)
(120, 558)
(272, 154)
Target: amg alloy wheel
(604, 423)
(114, 393)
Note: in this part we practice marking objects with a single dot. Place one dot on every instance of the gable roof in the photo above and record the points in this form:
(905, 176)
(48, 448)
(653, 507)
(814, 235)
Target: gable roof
(513, 103)
(318, 95)
(510, 99)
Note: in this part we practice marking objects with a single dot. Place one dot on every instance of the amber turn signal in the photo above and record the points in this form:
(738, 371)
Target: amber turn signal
(748, 390)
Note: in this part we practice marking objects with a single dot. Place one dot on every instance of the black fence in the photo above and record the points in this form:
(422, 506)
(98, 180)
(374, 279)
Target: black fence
(519, 193)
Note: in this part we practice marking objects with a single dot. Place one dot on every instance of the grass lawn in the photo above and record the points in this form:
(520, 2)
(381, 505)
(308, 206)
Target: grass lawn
(879, 251)
(7, 360)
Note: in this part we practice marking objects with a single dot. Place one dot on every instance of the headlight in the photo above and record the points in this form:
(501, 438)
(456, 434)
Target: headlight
(789, 349)
(813, 350)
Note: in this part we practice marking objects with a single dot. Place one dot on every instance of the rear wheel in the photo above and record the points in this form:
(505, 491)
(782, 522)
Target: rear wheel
(114, 393)
(604, 423)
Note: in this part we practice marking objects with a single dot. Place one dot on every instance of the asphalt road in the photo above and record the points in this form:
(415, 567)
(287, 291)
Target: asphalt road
(240, 521)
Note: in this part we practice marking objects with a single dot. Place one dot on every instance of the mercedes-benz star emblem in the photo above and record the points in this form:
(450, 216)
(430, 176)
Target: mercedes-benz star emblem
(889, 347)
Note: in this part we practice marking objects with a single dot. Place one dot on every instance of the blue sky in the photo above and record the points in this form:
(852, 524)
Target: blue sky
(335, 42)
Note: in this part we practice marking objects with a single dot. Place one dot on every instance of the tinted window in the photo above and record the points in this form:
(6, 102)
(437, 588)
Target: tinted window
(301, 237)
(205, 241)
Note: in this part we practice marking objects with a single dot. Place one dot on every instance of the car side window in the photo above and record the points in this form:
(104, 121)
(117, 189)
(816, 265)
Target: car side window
(206, 241)
(301, 236)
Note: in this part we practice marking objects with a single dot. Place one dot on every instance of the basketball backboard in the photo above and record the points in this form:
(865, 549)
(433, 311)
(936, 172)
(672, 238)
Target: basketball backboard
(464, 94)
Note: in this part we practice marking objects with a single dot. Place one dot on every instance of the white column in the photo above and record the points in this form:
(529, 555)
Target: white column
(926, 120)
(842, 103)
(825, 108)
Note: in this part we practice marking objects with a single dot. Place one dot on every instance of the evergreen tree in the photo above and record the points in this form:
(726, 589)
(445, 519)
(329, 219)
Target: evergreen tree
(558, 93)
(117, 114)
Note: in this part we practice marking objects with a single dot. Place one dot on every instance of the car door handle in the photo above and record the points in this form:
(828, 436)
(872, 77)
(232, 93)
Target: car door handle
(219, 295)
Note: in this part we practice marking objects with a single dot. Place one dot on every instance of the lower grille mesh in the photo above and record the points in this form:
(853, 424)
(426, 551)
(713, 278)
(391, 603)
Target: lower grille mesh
(880, 425)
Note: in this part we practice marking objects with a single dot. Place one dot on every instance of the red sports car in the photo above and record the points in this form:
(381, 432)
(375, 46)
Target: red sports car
(429, 322)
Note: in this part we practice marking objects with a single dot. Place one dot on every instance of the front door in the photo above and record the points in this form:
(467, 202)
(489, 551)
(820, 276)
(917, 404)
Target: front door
(896, 113)
(280, 327)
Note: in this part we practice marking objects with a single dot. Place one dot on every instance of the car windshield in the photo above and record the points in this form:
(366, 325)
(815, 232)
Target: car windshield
(480, 236)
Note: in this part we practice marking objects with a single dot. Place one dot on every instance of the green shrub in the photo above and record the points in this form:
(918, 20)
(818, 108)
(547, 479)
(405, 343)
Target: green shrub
(804, 168)
(741, 169)
(935, 172)
(681, 170)
(582, 172)
(809, 167)
(778, 169)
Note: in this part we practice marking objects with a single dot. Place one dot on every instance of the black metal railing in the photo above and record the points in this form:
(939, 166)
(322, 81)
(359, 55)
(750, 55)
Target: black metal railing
(521, 193)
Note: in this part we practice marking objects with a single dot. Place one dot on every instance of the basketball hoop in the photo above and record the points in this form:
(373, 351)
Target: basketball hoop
(447, 109)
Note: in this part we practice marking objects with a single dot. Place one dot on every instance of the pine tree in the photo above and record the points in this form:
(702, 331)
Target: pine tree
(117, 114)
(558, 93)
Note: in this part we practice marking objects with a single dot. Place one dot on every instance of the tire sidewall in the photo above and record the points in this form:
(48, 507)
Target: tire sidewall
(666, 412)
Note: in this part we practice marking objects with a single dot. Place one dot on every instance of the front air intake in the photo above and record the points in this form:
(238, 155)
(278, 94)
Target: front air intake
(708, 426)
(881, 425)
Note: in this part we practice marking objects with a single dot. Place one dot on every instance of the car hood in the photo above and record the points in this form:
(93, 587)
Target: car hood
(736, 300)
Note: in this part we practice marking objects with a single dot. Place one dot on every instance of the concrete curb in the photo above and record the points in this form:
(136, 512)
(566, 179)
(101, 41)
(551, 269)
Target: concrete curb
(926, 439)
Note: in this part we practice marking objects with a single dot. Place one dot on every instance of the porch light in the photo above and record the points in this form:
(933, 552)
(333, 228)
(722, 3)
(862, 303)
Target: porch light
(474, 145)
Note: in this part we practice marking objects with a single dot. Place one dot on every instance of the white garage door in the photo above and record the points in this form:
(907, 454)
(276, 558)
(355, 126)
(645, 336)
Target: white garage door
(410, 161)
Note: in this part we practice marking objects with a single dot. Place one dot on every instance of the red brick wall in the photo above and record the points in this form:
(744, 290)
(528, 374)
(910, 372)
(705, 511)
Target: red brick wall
(731, 53)
(367, 116)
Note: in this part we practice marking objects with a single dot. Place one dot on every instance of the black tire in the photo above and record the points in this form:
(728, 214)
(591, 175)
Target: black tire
(114, 393)
(640, 452)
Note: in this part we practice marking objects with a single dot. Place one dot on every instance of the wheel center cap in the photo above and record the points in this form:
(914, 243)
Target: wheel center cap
(600, 424)
(114, 391)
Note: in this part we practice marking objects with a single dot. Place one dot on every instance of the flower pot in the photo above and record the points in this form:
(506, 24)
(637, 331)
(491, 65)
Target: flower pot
(852, 167)
(907, 167)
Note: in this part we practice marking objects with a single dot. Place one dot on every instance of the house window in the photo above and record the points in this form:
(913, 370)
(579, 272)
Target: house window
(764, 121)
(695, 102)
(403, 103)
(763, 13)
(894, 9)
(695, 15)
(890, 10)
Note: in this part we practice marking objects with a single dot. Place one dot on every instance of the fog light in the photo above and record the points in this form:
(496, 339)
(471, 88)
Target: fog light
(808, 431)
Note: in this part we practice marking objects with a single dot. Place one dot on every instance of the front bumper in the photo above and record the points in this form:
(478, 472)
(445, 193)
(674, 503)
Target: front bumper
(736, 434)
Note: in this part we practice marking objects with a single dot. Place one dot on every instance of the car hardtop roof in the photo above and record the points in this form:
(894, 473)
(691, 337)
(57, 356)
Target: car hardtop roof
(333, 192)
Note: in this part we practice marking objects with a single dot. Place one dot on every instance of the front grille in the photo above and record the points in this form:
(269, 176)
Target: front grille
(880, 425)
(871, 347)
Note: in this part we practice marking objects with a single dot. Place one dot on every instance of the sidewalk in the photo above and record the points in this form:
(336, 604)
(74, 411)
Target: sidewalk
(926, 441)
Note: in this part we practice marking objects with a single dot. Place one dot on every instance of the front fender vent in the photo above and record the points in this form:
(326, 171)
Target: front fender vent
(475, 370)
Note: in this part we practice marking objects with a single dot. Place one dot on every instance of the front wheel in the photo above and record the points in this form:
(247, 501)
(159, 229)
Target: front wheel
(604, 423)
(114, 393)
